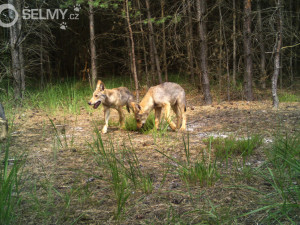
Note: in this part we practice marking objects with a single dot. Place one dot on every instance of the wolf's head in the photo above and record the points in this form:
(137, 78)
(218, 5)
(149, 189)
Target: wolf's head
(139, 114)
(98, 95)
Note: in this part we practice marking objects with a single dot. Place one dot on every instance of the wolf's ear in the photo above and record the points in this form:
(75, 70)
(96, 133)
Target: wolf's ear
(100, 86)
(135, 107)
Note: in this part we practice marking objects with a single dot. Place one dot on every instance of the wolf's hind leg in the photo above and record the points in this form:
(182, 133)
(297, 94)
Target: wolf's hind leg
(106, 118)
(157, 116)
(167, 116)
(183, 116)
(176, 109)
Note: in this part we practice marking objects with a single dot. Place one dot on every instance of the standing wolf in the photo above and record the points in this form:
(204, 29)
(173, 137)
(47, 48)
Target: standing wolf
(114, 98)
(164, 96)
(3, 124)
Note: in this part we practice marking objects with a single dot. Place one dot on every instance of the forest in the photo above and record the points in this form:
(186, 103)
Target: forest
(85, 137)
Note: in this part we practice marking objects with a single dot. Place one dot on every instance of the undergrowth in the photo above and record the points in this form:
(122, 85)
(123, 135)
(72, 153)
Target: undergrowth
(10, 177)
(228, 147)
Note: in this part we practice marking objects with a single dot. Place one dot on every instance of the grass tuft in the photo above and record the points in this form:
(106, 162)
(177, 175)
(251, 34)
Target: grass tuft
(280, 203)
(130, 124)
(9, 185)
(288, 97)
(227, 147)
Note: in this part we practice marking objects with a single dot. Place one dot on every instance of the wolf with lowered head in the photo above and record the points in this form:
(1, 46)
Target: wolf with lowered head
(162, 97)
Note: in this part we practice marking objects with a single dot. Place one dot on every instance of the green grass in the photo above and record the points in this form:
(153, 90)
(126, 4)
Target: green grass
(229, 147)
(122, 166)
(69, 96)
(280, 203)
(10, 176)
(288, 97)
(203, 172)
(130, 124)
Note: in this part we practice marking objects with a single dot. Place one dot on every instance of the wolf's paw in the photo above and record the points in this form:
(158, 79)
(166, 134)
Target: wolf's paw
(173, 126)
(182, 129)
(104, 130)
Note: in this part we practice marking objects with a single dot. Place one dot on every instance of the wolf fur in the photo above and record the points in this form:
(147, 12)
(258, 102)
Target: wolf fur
(162, 97)
(114, 98)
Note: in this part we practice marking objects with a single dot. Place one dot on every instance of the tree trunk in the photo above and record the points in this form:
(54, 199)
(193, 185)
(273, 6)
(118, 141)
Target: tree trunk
(17, 52)
(277, 55)
(201, 9)
(152, 43)
(165, 66)
(143, 46)
(189, 38)
(93, 80)
(247, 51)
(234, 45)
(222, 33)
(132, 52)
(41, 62)
(221, 43)
(262, 48)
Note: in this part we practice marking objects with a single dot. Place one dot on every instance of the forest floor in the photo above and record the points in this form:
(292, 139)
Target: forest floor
(65, 182)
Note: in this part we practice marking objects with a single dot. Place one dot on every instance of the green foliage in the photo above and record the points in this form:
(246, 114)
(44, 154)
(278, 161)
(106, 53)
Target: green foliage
(288, 97)
(280, 204)
(9, 184)
(69, 96)
(124, 171)
(228, 147)
(202, 172)
(130, 123)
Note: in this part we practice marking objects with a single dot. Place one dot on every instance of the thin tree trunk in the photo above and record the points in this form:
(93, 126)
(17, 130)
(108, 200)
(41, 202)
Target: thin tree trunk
(189, 38)
(220, 47)
(152, 43)
(165, 65)
(262, 48)
(17, 52)
(143, 46)
(226, 52)
(132, 52)
(201, 10)
(41, 62)
(247, 51)
(277, 55)
(93, 80)
(234, 45)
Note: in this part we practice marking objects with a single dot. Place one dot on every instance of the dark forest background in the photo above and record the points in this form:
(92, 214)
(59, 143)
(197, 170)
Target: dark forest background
(223, 43)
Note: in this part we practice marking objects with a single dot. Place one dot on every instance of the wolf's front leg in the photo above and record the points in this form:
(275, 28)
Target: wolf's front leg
(121, 116)
(106, 118)
(167, 116)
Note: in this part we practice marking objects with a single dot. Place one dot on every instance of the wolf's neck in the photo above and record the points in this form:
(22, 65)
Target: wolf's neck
(147, 104)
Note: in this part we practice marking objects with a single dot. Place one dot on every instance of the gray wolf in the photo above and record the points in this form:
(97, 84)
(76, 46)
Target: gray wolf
(114, 98)
(164, 96)
(3, 124)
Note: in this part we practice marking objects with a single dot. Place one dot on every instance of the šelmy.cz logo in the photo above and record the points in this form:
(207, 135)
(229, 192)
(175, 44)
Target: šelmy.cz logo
(40, 14)
(11, 7)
